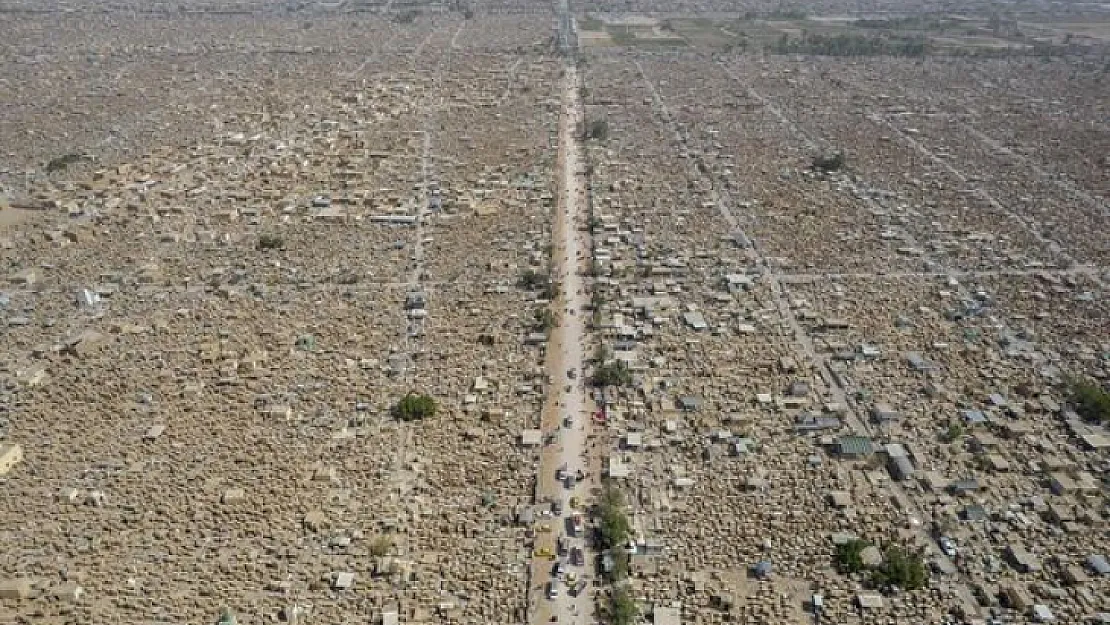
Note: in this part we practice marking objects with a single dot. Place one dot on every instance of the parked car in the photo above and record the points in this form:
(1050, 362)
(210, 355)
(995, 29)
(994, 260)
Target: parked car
(552, 590)
(577, 556)
(948, 546)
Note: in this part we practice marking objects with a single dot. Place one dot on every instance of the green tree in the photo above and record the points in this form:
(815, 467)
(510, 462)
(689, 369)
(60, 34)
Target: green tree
(62, 162)
(615, 373)
(849, 557)
(901, 568)
(620, 559)
(598, 129)
(415, 406)
(270, 242)
(1091, 401)
(622, 609)
(954, 432)
(380, 546)
(614, 527)
(828, 162)
(597, 300)
(533, 280)
(545, 319)
(601, 353)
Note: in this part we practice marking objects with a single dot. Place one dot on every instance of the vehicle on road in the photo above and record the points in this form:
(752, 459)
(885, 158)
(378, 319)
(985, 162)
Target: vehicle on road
(577, 556)
(571, 373)
(568, 481)
(561, 472)
(947, 546)
(558, 570)
(577, 524)
(552, 590)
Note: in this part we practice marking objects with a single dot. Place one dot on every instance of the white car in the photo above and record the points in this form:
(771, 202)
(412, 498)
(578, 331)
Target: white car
(948, 546)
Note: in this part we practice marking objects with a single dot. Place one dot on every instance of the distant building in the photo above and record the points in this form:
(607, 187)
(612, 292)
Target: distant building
(918, 363)
(1016, 596)
(883, 413)
(900, 467)
(1098, 565)
(813, 423)
(869, 601)
(973, 417)
(854, 447)
(666, 616)
(965, 485)
(1042, 614)
(19, 588)
(762, 569)
(404, 220)
(415, 300)
(531, 438)
(689, 403)
(798, 388)
(633, 440)
(617, 469)
(695, 320)
(974, 512)
(1022, 560)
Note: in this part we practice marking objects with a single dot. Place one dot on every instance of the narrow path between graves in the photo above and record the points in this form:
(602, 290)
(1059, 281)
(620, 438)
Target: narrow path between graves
(412, 336)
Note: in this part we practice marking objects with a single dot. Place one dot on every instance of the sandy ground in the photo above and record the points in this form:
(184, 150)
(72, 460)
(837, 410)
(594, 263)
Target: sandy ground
(10, 217)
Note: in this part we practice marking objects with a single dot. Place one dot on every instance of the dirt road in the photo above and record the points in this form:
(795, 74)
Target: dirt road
(565, 355)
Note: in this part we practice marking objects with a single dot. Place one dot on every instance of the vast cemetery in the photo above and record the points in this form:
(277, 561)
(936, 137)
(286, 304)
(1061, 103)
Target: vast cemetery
(717, 323)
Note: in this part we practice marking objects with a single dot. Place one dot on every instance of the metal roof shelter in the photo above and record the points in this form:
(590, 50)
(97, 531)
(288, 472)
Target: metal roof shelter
(854, 446)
